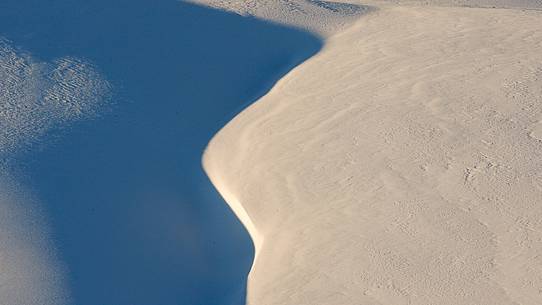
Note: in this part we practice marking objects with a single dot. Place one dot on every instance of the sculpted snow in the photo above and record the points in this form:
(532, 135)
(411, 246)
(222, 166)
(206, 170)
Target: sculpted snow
(398, 166)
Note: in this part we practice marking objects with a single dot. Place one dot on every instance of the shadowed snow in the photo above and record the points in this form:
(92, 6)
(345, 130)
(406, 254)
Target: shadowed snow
(132, 214)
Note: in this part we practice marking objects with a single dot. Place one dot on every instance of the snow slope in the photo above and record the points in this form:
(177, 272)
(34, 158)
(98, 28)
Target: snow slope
(400, 165)
(105, 110)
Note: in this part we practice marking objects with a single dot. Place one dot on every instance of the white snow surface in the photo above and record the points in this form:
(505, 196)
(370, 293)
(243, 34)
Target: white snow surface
(400, 165)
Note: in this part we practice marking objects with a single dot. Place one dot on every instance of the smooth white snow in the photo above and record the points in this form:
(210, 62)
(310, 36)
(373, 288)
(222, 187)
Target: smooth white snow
(400, 165)
(30, 270)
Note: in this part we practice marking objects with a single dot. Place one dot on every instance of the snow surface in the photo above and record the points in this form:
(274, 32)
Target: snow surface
(106, 108)
(35, 97)
(399, 165)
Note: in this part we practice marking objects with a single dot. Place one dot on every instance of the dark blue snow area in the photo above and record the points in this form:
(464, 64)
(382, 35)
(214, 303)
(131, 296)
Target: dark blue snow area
(135, 219)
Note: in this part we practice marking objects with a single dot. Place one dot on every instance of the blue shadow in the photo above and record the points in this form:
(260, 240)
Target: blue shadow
(134, 216)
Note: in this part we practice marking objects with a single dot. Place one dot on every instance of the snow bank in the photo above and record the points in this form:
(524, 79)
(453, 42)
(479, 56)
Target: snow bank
(400, 165)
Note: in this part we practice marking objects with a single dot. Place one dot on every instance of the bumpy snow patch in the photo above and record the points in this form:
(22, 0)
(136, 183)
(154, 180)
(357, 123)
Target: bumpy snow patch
(37, 96)
(323, 17)
(34, 98)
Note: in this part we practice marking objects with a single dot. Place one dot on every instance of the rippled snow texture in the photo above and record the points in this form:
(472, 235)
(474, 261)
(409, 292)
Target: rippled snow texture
(37, 96)
(34, 98)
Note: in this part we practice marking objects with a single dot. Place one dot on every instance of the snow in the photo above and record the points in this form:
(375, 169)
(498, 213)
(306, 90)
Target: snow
(110, 105)
(399, 165)
(379, 152)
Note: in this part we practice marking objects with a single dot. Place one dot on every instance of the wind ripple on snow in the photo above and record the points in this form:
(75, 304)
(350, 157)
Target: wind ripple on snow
(35, 96)
(323, 17)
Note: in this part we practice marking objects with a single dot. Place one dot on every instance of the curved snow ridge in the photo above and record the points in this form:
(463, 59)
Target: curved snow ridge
(401, 165)
(214, 173)
(323, 18)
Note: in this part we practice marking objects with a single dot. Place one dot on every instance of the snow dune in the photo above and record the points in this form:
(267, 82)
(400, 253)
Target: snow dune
(400, 165)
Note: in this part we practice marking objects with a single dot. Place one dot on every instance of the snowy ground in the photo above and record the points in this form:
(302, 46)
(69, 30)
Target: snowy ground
(398, 165)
